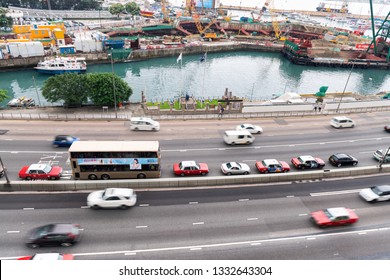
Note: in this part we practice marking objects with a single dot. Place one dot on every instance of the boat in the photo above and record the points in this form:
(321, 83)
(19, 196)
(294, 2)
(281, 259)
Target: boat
(21, 102)
(62, 65)
(146, 13)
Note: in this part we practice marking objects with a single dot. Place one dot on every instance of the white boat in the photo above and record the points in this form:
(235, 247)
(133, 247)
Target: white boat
(21, 102)
(62, 65)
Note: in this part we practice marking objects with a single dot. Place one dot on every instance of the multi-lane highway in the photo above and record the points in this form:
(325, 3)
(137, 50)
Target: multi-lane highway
(29, 142)
(239, 222)
(258, 222)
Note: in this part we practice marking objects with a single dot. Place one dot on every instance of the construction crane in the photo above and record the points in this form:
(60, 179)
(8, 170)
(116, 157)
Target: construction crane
(261, 12)
(164, 11)
(202, 31)
(380, 38)
(190, 6)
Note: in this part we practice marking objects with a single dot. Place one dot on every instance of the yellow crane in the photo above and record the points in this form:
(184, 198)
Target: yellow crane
(202, 31)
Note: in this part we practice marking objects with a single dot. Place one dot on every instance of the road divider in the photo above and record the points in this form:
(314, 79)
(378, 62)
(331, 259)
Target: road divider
(190, 182)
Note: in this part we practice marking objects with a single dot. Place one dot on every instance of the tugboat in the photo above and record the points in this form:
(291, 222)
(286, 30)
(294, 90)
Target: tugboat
(62, 65)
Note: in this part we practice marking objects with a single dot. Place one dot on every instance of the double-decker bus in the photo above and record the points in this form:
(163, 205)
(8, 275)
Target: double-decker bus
(105, 160)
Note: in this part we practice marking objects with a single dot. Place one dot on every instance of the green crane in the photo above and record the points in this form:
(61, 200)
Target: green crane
(381, 46)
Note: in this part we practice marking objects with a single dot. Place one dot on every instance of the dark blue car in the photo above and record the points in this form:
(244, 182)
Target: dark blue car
(64, 140)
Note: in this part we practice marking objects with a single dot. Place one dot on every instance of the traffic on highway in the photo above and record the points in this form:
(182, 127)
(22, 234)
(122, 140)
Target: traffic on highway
(313, 219)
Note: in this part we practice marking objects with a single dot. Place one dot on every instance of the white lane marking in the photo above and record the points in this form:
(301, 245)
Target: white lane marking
(305, 214)
(311, 238)
(14, 152)
(85, 207)
(252, 219)
(361, 233)
(214, 245)
(144, 205)
(195, 249)
(141, 226)
(370, 152)
(290, 196)
(334, 193)
(28, 209)
(13, 231)
(182, 151)
(243, 199)
(130, 254)
(193, 202)
(198, 223)
(246, 160)
(255, 244)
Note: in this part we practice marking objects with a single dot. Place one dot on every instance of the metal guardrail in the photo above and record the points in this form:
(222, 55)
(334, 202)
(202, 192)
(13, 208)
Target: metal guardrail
(186, 116)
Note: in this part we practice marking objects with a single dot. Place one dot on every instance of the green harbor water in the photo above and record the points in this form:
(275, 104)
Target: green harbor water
(251, 75)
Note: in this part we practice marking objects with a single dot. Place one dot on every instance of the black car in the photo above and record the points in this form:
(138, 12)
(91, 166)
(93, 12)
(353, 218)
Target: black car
(387, 128)
(54, 235)
(342, 159)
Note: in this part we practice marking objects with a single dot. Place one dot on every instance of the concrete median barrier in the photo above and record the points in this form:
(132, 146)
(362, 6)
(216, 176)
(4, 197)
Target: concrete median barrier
(189, 182)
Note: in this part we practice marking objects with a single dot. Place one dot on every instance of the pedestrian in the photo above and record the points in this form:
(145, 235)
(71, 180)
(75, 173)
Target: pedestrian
(315, 107)
(319, 107)
(221, 109)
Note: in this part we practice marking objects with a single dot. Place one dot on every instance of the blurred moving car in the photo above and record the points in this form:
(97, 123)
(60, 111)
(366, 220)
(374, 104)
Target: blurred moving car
(112, 198)
(48, 257)
(342, 159)
(40, 171)
(64, 140)
(235, 168)
(303, 162)
(341, 122)
(272, 166)
(190, 167)
(233, 137)
(254, 129)
(380, 155)
(140, 123)
(334, 217)
(54, 235)
(376, 193)
(387, 128)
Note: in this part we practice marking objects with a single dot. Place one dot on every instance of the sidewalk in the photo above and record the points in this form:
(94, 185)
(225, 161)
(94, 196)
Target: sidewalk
(250, 110)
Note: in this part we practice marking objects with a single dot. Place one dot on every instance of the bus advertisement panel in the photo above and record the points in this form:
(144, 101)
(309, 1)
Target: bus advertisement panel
(115, 159)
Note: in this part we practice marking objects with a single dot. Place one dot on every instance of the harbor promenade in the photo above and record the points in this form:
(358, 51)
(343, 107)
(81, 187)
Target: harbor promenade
(250, 110)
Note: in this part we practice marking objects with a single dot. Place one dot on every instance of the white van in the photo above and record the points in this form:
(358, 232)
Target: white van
(233, 137)
(144, 124)
(340, 122)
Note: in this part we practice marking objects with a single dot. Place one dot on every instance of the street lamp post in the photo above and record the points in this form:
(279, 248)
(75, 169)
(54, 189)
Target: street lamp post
(5, 172)
(113, 84)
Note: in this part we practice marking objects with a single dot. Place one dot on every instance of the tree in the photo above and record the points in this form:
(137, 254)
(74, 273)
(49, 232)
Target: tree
(3, 95)
(102, 88)
(116, 9)
(70, 88)
(132, 8)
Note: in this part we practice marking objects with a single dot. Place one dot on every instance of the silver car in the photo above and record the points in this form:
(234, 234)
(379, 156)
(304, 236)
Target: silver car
(235, 168)
(376, 193)
(380, 154)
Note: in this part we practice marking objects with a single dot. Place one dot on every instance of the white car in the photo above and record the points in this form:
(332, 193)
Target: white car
(137, 123)
(112, 198)
(376, 193)
(254, 129)
(235, 168)
(380, 155)
(341, 122)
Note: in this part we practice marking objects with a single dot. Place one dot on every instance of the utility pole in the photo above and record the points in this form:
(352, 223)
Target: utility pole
(384, 158)
(5, 172)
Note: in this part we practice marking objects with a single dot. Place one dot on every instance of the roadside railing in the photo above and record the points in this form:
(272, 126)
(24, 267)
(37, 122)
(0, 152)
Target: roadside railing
(123, 115)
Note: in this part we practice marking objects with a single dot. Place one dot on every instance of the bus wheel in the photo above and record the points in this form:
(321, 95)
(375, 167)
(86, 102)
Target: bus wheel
(92, 177)
(141, 176)
(105, 177)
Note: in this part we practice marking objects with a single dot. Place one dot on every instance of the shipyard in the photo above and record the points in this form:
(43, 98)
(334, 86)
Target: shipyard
(328, 35)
